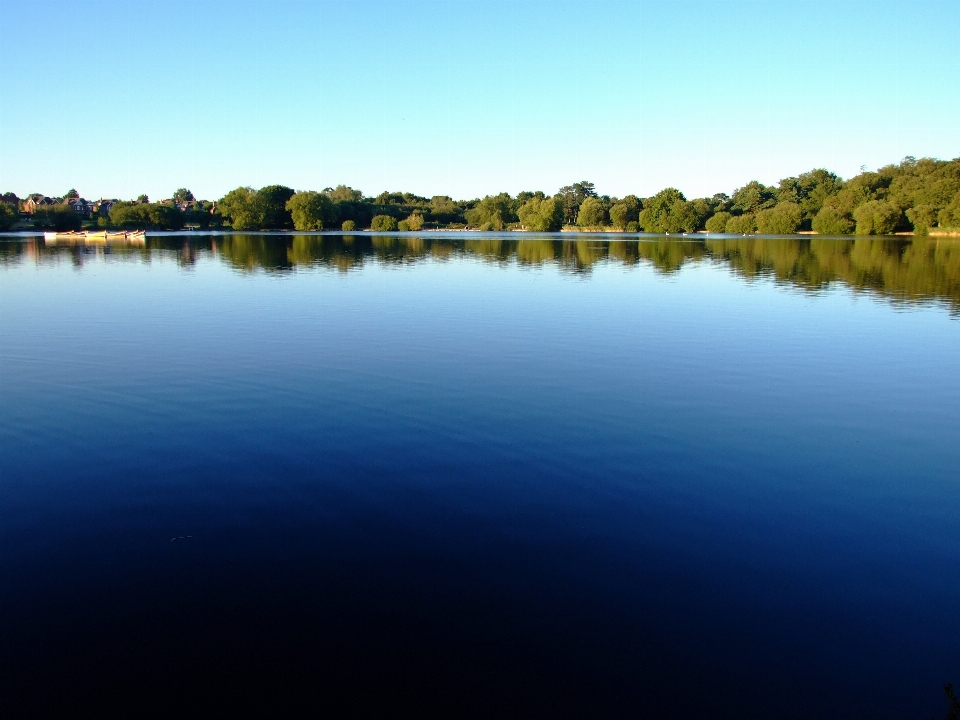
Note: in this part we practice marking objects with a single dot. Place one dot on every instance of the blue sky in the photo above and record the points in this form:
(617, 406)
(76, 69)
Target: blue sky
(469, 98)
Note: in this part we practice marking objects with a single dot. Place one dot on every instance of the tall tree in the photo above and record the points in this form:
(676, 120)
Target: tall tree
(272, 200)
(572, 196)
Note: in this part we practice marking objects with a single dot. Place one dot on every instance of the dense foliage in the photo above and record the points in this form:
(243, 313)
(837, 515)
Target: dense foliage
(56, 217)
(8, 215)
(916, 196)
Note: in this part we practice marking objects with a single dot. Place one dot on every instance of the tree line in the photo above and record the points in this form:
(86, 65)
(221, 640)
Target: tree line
(916, 196)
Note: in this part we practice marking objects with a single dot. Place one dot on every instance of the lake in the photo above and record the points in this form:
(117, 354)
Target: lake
(473, 475)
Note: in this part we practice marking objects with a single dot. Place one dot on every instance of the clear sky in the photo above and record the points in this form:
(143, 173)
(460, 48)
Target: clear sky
(468, 98)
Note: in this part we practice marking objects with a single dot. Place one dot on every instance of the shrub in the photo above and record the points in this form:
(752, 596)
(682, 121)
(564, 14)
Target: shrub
(348, 225)
(829, 221)
(403, 226)
(745, 224)
(718, 223)
(383, 223)
(632, 226)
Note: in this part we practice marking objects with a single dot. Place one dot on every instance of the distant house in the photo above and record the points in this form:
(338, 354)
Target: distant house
(80, 206)
(102, 207)
(37, 200)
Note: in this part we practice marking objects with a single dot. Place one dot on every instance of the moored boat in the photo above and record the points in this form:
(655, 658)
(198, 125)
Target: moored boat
(68, 235)
(96, 236)
(108, 236)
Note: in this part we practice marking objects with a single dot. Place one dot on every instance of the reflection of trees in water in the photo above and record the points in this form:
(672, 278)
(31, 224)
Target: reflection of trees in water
(669, 255)
(900, 268)
(252, 252)
(918, 269)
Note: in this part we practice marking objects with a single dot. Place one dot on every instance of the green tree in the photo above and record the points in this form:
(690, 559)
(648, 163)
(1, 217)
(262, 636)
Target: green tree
(625, 211)
(342, 193)
(666, 212)
(829, 221)
(571, 196)
(241, 209)
(272, 202)
(164, 217)
(877, 217)
(745, 224)
(390, 198)
(146, 215)
(415, 221)
(383, 223)
(753, 197)
(809, 191)
(684, 216)
(183, 195)
(653, 217)
(310, 210)
(56, 217)
(492, 213)
(130, 215)
(443, 209)
(784, 219)
(922, 217)
(542, 215)
(8, 216)
(718, 222)
(949, 217)
(202, 215)
(348, 226)
(592, 213)
(525, 195)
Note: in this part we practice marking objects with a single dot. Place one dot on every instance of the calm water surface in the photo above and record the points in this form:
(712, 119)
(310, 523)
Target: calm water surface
(480, 476)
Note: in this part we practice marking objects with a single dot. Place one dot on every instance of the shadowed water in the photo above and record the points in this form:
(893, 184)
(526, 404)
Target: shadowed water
(481, 475)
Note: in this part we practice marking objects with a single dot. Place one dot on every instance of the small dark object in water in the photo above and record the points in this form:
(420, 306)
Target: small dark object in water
(180, 537)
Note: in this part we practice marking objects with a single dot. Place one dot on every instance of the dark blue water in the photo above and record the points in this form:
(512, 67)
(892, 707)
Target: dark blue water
(552, 479)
